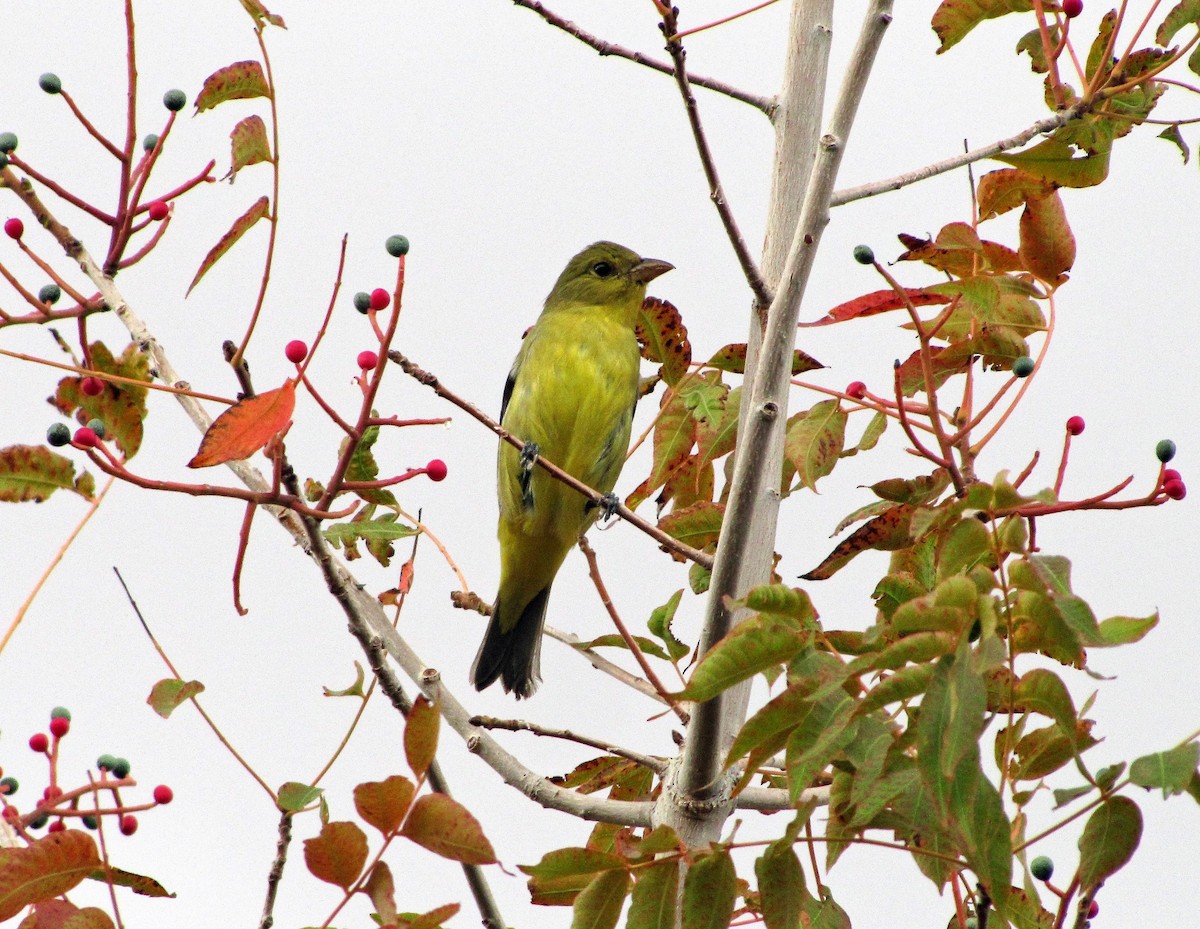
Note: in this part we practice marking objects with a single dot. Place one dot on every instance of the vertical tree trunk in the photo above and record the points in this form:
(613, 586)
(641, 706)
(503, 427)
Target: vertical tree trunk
(696, 802)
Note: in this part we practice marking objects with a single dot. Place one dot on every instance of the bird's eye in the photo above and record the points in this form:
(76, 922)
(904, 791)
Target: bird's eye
(603, 269)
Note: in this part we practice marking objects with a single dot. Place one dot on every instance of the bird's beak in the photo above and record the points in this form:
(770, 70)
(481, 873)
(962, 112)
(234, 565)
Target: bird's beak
(648, 269)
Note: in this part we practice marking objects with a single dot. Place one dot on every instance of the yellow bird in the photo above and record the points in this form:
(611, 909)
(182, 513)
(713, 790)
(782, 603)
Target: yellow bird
(570, 398)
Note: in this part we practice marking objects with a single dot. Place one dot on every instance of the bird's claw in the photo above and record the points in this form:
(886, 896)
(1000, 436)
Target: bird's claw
(529, 454)
(608, 505)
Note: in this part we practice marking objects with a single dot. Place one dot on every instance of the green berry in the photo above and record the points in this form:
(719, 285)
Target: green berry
(1023, 366)
(150, 142)
(106, 762)
(396, 245)
(50, 293)
(121, 768)
(174, 100)
(8, 142)
(972, 922)
(9, 785)
(90, 821)
(50, 83)
(58, 435)
(1165, 450)
(97, 426)
(1042, 868)
(864, 255)
(60, 711)
(362, 301)
(40, 821)
(3, 161)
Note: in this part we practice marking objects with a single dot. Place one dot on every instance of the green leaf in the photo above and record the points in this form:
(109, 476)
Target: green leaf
(951, 720)
(954, 19)
(1184, 13)
(1175, 137)
(120, 406)
(903, 685)
(33, 472)
(363, 467)
(1122, 630)
(1171, 770)
(377, 533)
(978, 813)
(561, 875)
(698, 525)
(653, 903)
(1042, 691)
(242, 80)
(613, 640)
(260, 209)
(823, 729)
(599, 905)
(709, 891)
(293, 796)
(781, 886)
(168, 695)
(813, 442)
(660, 625)
(1109, 840)
(759, 643)
(674, 436)
(967, 545)
(1054, 161)
(732, 358)
(248, 145)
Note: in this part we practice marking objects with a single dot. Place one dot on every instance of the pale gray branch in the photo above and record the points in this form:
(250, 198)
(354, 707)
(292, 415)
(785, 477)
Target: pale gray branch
(657, 765)
(1049, 124)
(755, 479)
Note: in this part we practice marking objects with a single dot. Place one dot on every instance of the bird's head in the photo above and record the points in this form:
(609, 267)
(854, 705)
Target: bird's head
(606, 274)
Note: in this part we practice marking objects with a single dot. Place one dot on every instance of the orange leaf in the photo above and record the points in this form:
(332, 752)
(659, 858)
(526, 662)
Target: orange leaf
(337, 855)
(384, 803)
(49, 867)
(246, 427)
(1047, 244)
(421, 735)
(445, 827)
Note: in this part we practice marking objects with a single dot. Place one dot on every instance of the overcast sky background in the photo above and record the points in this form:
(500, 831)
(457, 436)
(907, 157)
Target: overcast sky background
(500, 146)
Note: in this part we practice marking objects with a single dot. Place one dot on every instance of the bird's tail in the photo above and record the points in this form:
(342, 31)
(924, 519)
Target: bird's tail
(513, 657)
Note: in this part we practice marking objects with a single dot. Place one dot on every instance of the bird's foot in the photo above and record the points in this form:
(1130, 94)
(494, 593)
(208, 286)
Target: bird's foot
(529, 454)
(608, 506)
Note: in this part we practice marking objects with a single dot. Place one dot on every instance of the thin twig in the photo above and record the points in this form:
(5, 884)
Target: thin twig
(605, 48)
(594, 572)
(657, 765)
(275, 875)
(716, 193)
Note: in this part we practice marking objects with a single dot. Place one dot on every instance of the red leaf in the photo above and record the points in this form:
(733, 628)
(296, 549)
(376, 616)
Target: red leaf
(246, 427)
(445, 827)
(880, 301)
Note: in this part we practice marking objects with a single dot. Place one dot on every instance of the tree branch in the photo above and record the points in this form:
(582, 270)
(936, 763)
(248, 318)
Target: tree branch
(755, 481)
(765, 104)
(1049, 124)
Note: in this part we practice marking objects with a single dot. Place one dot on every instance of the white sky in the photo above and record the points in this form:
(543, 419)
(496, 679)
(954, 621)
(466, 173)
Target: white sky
(500, 146)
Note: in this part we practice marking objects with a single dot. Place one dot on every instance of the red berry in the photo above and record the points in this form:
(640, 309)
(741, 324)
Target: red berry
(39, 741)
(380, 299)
(436, 470)
(295, 351)
(367, 360)
(1072, 8)
(1175, 489)
(158, 210)
(163, 794)
(14, 228)
(1170, 474)
(1075, 425)
(60, 725)
(86, 437)
(91, 386)
(1093, 909)
(57, 826)
(128, 824)
(52, 793)
(856, 389)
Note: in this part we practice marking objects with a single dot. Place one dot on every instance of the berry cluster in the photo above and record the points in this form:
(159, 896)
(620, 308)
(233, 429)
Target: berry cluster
(57, 806)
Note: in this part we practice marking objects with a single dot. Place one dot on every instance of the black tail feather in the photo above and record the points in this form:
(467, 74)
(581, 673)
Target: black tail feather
(513, 657)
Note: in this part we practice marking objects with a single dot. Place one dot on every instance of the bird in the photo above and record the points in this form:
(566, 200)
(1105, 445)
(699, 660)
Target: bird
(569, 397)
